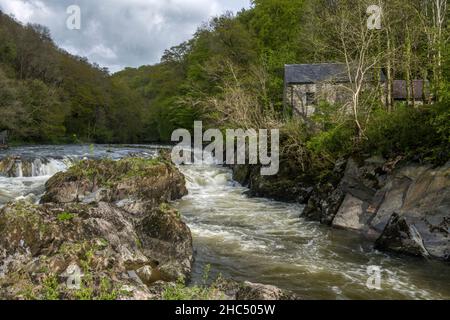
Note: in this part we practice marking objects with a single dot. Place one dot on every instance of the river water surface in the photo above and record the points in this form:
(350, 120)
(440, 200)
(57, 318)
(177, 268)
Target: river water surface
(258, 240)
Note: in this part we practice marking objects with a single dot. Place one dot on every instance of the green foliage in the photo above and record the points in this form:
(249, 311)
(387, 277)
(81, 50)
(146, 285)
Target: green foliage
(336, 142)
(417, 133)
(65, 216)
(50, 96)
(50, 288)
(179, 290)
(107, 291)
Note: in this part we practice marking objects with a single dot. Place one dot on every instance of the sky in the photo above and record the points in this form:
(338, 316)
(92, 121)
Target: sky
(121, 33)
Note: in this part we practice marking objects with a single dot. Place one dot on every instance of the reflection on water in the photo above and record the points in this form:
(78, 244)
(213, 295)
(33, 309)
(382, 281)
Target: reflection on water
(256, 239)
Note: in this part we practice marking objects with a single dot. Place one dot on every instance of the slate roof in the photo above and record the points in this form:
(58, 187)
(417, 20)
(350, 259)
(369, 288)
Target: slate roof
(313, 73)
(400, 91)
(318, 72)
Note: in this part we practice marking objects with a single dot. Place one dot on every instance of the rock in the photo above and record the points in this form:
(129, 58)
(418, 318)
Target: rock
(401, 237)
(327, 196)
(102, 239)
(421, 197)
(148, 180)
(124, 237)
(148, 275)
(232, 290)
(391, 199)
(324, 203)
(255, 291)
(352, 214)
(368, 194)
(241, 174)
(287, 185)
(167, 240)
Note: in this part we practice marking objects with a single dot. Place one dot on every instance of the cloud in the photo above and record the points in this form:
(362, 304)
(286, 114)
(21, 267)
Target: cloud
(121, 33)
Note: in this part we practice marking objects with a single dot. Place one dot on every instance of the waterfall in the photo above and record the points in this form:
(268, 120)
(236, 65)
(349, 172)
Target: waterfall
(48, 167)
(37, 167)
(19, 169)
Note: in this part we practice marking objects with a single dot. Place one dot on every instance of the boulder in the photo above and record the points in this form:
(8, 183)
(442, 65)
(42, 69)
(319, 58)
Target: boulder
(152, 181)
(256, 291)
(232, 290)
(420, 196)
(110, 219)
(324, 203)
(405, 206)
(288, 185)
(352, 214)
(401, 237)
(40, 242)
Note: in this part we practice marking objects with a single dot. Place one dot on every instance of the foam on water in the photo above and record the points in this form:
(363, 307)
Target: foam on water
(266, 241)
(254, 239)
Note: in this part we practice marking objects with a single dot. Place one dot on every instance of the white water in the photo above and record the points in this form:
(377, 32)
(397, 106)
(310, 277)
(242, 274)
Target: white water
(266, 241)
(45, 161)
(256, 239)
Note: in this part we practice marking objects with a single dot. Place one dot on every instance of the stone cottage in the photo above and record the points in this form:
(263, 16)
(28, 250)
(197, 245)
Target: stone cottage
(306, 84)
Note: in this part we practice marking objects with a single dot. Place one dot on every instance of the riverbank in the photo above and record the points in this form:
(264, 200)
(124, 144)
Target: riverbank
(403, 207)
(106, 227)
(233, 235)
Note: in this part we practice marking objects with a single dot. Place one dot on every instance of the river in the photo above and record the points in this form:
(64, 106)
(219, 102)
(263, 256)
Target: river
(252, 239)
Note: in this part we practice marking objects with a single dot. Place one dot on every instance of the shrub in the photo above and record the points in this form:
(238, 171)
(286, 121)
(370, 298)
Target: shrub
(417, 133)
(334, 143)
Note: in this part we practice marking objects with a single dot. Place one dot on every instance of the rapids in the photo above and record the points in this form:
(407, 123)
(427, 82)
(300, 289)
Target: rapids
(252, 239)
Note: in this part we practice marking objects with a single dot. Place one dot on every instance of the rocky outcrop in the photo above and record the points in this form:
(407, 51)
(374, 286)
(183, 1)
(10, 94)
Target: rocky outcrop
(407, 207)
(109, 219)
(399, 236)
(140, 180)
(285, 186)
(248, 291)
(256, 291)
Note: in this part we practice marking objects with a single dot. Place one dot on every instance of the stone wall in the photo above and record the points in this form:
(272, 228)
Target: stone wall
(296, 96)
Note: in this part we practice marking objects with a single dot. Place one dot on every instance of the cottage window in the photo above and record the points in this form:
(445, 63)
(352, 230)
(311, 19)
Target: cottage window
(310, 98)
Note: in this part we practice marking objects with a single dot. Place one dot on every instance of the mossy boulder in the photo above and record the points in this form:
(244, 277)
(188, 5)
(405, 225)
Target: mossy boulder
(110, 219)
(148, 180)
(40, 242)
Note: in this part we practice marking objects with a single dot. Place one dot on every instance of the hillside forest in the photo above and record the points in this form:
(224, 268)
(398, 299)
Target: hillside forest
(230, 74)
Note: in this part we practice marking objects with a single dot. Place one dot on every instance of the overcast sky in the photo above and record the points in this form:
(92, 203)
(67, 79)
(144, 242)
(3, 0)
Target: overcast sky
(121, 33)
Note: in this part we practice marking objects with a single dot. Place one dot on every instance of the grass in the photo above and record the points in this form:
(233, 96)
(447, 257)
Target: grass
(179, 291)
(50, 288)
(65, 216)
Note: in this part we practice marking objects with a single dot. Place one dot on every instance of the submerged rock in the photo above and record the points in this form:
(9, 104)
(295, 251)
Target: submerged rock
(124, 239)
